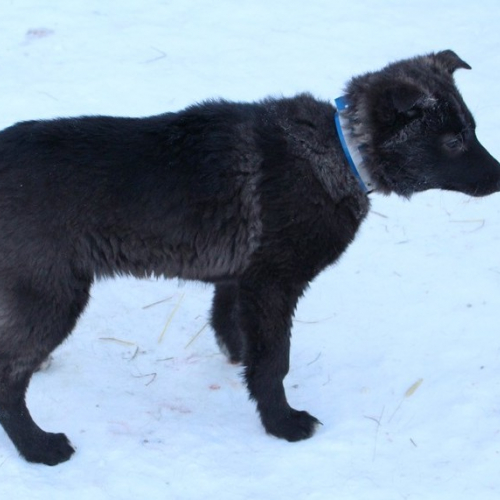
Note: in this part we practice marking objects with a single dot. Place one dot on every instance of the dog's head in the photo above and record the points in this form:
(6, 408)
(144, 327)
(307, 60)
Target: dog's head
(416, 130)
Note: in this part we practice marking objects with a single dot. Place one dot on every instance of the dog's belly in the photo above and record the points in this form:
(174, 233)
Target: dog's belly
(209, 241)
(209, 256)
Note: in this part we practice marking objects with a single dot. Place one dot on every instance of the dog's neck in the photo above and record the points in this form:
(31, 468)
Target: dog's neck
(352, 147)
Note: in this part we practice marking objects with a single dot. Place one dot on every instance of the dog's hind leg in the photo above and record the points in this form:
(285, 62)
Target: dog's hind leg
(266, 310)
(224, 321)
(32, 324)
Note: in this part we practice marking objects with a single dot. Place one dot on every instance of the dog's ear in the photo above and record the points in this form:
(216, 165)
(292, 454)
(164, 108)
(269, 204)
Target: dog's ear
(400, 100)
(450, 61)
(404, 97)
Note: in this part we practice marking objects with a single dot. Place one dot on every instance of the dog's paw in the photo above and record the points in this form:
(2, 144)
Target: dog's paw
(52, 449)
(295, 426)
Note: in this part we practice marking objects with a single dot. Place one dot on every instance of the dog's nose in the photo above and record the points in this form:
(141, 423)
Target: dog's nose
(497, 173)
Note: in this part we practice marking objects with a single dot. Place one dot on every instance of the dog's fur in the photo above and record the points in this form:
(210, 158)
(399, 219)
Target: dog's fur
(254, 198)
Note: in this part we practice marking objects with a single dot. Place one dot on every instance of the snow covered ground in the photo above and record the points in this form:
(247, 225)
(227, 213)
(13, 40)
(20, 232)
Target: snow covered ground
(396, 349)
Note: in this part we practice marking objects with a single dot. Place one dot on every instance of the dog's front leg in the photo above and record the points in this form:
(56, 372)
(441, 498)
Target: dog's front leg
(266, 310)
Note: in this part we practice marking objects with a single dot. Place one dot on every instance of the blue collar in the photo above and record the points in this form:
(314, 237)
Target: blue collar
(350, 148)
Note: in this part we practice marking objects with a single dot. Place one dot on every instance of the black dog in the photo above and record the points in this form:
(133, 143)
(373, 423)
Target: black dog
(254, 198)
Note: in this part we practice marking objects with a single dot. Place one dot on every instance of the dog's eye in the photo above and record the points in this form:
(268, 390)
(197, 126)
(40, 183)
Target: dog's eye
(454, 143)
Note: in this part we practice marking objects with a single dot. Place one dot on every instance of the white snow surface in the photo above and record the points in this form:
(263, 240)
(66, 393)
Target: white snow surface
(395, 349)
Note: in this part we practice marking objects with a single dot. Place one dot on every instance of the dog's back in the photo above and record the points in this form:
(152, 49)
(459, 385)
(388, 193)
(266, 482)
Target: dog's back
(130, 195)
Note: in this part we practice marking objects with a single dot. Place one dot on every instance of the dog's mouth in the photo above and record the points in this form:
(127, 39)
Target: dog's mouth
(484, 190)
(476, 190)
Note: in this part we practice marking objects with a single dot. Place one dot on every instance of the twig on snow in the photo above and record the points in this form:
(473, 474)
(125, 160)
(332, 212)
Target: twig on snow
(172, 314)
(154, 59)
(156, 303)
(152, 375)
(196, 336)
(118, 341)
